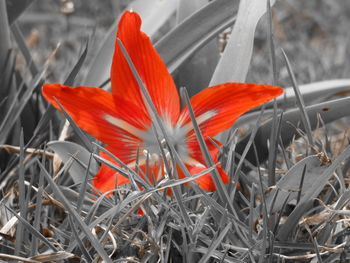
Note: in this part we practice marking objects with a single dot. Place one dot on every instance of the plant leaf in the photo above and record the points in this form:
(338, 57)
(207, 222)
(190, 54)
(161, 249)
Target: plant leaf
(234, 63)
(329, 111)
(310, 92)
(289, 184)
(194, 32)
(311, 193)
(196, 72)
(65, 150)
(313, 91)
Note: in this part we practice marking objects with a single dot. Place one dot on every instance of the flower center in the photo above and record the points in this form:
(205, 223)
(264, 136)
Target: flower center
(152, 149)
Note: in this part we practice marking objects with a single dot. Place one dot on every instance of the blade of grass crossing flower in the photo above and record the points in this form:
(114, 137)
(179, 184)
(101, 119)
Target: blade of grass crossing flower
(127, 168)
(145, 95)
(75, 127)
(234, 63)
(221, 190)
(17, 33)
(300, 102)
(32, 230)
(95, 243)
(123, 173)
(155, 120)
(22, 202)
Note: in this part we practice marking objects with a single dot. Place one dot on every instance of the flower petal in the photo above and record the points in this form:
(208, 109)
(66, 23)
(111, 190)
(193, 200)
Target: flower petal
(206, 181)
(149, 65)
(217, 108)
(110, 119)
(106, 178)
(195, 152)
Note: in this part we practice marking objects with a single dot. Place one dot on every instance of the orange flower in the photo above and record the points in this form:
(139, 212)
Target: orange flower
(120, 119)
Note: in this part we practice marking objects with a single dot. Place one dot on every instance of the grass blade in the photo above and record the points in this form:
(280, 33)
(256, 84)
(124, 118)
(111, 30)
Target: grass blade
(80, 243)
(221, 190)
(84, 139)
(38, 207)
(215, 244)
(17, 33)
(74, 72)
(75, 216)
(5, 43)
(300, 102)
(32, 230)
(22, 201)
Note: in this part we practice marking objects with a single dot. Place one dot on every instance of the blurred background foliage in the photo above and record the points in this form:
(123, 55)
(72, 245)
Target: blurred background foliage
(313, 33)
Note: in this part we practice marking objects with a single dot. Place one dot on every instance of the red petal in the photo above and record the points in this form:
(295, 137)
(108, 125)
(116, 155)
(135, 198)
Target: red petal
(195, 150)
(111, 120)
(217, 108)
(206, 181)
(106, 178)
(149, 65)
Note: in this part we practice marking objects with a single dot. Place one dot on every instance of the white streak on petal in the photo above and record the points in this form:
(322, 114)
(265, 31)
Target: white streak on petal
(124, 125)
(200, 119)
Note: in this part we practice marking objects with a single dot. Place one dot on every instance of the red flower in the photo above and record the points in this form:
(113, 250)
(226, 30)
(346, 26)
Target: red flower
(121, 120)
